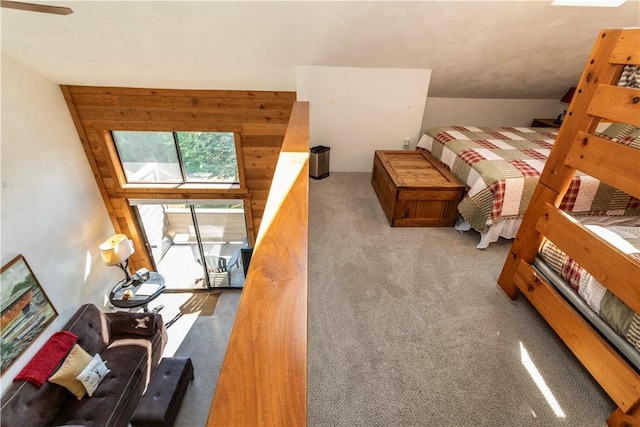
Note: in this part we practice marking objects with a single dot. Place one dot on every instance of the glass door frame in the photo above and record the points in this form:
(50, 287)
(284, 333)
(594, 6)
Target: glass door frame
(191, 203)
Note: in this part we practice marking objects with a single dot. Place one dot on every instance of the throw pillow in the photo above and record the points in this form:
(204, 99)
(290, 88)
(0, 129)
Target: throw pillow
(619, 131)
(75, 362)
(93, 374)
(132, 323)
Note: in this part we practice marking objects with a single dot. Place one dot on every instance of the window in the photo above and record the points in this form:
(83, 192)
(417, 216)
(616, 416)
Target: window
(180, 157)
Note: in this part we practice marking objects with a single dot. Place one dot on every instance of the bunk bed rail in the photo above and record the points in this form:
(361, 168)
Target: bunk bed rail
(578, 147)
(593, 155)
(612, 267)
(608, 368)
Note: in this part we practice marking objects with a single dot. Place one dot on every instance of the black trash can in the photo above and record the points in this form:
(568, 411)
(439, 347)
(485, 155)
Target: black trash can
(319, 162)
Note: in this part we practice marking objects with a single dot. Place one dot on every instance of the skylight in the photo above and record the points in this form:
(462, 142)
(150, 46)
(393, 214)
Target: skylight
(592, 3)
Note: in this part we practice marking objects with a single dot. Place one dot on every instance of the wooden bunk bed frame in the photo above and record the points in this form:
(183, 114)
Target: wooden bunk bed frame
(597, 98)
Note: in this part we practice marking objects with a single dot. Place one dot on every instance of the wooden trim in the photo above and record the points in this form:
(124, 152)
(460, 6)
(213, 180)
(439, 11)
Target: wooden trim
(86, 146)
(576, 147)
(175, 192)
(237, 139)
(612, 372)
(620, 419)
(248, 214)
(616, 104)
(166, 126)
(194, 94)
(528, 240)
(556, 174)
(626, 50)
(115, 166)
(594, 156)
(260, 117)
(263, 381)
(606, 263)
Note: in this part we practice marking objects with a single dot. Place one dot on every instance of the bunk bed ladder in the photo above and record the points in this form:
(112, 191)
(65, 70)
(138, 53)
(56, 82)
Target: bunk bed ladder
(577, 148)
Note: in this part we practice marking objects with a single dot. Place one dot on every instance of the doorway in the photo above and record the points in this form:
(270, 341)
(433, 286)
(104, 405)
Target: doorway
(194, 244)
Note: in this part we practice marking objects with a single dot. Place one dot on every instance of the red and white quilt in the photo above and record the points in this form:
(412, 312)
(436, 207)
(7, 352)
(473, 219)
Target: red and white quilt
(501, 167)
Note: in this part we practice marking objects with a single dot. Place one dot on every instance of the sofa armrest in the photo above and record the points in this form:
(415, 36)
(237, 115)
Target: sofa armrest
(144, 324)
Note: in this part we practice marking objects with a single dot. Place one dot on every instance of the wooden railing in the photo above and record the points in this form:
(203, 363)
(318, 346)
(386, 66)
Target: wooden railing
(263, 381)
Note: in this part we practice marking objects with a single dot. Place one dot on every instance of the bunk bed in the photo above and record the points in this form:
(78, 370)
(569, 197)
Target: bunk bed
(501, 166)
(604, 93)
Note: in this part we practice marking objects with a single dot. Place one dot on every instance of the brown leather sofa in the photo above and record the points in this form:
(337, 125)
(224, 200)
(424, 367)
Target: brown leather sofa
(131, 353)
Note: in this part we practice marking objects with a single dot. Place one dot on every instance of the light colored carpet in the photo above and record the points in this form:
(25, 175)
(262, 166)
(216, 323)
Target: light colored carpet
(407, 326)
(200, 330)
(198, 303)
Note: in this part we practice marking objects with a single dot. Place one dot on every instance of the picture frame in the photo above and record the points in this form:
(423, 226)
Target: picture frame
(26, 310)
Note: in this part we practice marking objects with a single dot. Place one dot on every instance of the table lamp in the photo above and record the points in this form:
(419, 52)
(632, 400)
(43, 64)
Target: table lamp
(567, 100)
(116, 250)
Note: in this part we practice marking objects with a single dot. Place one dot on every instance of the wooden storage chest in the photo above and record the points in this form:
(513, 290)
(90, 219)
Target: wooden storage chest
(414, 189)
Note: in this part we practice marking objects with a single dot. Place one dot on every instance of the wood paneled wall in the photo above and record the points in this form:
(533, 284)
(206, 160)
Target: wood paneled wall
(259, 120)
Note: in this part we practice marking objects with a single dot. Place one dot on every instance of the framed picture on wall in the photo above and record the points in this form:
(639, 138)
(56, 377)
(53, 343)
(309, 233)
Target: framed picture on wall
(26, 310)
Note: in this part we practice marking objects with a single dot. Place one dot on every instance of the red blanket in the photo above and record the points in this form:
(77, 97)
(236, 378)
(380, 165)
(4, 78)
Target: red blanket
(39, 369)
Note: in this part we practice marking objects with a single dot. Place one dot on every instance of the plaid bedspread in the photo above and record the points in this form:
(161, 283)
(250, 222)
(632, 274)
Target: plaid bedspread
(501, 167)
(610, 308)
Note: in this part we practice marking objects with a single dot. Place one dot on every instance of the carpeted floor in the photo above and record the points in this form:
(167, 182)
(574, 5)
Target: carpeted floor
(199, 303)
(407, 326)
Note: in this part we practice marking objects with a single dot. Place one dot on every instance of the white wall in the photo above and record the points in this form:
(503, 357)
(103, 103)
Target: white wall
(356, 111)
(488, 112)
(52, 212)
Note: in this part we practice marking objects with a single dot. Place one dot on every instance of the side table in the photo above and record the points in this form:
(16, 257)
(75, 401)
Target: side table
(545, 123)
(144, 291)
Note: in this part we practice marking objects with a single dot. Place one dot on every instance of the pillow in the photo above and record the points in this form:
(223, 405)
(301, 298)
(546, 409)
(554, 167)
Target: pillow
(93, 374)
(75, 362)
(619, 130)
(123, 322)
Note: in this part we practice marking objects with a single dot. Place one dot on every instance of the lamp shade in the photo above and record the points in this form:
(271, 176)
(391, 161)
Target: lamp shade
(116, 249)
(568, 96)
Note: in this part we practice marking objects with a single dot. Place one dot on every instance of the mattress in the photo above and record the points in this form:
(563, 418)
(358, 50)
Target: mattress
(580, 284)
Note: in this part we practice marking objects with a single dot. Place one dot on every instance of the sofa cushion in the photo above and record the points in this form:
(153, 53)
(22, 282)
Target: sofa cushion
(92, 328)
(109, 405)
(24, 404)
(93, 374)
(73, 365)
(129, 364)
(132, 359)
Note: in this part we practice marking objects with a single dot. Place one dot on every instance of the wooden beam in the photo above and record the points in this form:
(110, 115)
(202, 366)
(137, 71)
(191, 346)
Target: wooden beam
(556, 174)
(527, 242)
(612, 372)
(263, 381)
(626, 50)
(175, 192)
(192, 93)
(616, 104)
(594, 156)
(606, 263)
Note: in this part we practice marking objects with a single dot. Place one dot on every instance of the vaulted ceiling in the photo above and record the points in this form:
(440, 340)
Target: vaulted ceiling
(476, 49)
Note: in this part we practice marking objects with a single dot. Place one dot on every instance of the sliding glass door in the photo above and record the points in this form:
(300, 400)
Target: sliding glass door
(194, 244)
